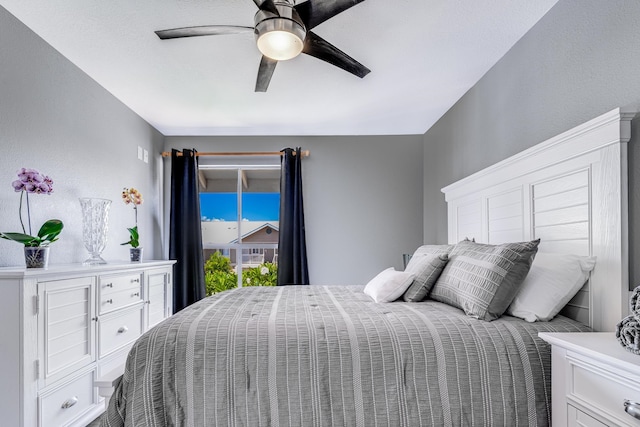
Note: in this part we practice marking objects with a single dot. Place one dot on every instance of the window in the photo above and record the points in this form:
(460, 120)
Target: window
(240, 208)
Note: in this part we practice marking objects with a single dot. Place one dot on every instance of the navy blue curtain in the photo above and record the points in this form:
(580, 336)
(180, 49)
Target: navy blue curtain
(292, 244)
(185, 235)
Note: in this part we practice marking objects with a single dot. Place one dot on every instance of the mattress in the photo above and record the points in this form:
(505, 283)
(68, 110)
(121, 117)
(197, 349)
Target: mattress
(330, 356)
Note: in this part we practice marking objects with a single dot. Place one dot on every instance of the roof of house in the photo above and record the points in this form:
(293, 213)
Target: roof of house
(227, 231)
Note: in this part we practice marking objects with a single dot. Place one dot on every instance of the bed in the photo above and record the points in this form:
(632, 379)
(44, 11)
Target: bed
(331, 356)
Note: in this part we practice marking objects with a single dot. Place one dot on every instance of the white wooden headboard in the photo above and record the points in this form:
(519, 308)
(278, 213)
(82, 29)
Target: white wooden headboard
(571, 192)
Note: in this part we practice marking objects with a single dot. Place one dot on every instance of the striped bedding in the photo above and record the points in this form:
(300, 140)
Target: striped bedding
(330, 356)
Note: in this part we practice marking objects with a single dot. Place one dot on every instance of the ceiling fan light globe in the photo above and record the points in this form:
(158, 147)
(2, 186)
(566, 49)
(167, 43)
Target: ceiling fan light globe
(280, 45)
(280, 37)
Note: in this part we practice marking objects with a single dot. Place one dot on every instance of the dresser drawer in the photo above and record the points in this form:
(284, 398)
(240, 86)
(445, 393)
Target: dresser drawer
(603, 389)
(120, 329)
(68, 402)
(578, 418)
(118, 291)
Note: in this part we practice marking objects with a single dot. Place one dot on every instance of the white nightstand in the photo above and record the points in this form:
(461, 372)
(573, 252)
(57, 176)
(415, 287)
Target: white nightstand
(592, 377)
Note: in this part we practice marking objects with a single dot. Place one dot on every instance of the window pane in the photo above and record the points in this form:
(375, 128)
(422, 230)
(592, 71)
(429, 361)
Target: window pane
(260, 217)
(243, 253)
(219, 207)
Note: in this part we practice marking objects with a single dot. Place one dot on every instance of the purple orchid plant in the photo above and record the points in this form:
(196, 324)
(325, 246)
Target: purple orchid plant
(30, 181)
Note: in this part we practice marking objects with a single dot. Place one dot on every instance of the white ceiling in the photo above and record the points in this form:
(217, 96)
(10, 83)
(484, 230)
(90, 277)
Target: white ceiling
(424, 55)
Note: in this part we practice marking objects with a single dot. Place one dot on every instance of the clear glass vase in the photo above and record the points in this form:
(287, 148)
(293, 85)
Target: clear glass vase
(95, 217)
(36, 256)
(135, 254)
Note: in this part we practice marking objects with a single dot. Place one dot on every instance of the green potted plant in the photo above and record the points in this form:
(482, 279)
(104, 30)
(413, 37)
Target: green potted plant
(131, 196)
(36, 248)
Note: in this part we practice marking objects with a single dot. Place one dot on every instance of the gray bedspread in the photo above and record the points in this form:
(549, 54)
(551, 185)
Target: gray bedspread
(330, 356)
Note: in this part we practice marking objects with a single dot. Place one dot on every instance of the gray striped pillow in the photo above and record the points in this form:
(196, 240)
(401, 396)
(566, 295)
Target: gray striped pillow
(433, 250)
(426, 269)
(483, 279)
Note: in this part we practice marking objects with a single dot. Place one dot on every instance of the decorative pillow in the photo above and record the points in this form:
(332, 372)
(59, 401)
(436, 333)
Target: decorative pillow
(426, 269)
(389, 285)
(483, 279)
(551, 283)
(433, 250)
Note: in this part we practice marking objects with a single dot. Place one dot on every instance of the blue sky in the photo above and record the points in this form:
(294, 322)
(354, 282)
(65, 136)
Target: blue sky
(255, 206)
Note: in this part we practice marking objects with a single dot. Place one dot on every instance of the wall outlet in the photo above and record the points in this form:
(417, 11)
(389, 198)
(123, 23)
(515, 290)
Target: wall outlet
(139, 153)
(146, 156)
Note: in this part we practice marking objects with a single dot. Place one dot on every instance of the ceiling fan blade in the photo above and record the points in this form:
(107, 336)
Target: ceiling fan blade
(267, 5)
(316, 46)
(267, 67)
(203, 30)
(315, 12)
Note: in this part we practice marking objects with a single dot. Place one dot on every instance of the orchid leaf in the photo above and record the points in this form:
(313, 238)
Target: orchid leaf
(48, 233)
(133, 237)
(50, 230)
(25, 239)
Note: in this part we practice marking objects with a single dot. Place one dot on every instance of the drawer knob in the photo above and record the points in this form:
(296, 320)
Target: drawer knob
(109, 285)
(135, 280)
(109, 301)
(137, 294)
(70, 402)
(122, 329)
(632, 408)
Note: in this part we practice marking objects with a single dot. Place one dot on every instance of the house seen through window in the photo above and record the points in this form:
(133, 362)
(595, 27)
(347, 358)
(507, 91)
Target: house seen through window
(240, 225)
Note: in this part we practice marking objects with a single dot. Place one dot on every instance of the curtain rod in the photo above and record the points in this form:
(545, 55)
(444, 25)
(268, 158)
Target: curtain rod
(305, 153)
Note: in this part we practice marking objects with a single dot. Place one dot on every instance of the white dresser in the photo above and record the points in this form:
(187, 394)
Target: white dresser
(68, 328)
(592, 378)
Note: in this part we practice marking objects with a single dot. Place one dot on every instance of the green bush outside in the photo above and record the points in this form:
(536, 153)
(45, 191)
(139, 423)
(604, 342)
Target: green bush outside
(219, 276)
(264, 275)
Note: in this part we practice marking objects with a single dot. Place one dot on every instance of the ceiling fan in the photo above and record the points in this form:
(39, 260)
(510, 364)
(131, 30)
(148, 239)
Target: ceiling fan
(283, 31)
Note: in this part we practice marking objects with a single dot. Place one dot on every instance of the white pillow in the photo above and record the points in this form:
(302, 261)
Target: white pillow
(389, 285)
(551, 283)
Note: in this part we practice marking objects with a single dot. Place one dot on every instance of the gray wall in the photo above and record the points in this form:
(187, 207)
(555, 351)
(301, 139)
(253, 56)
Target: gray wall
(363, 195)
(582, 59)
(362, 198)
(54, 118)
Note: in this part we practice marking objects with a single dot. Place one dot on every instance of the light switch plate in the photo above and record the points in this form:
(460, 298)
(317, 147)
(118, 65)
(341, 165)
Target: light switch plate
(139, 153)
(146, 156)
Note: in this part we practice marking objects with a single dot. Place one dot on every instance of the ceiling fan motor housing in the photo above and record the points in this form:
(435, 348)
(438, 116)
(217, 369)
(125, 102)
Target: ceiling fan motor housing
(269, 26)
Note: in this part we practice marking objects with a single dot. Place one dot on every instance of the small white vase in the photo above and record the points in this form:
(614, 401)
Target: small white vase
(135, 254)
